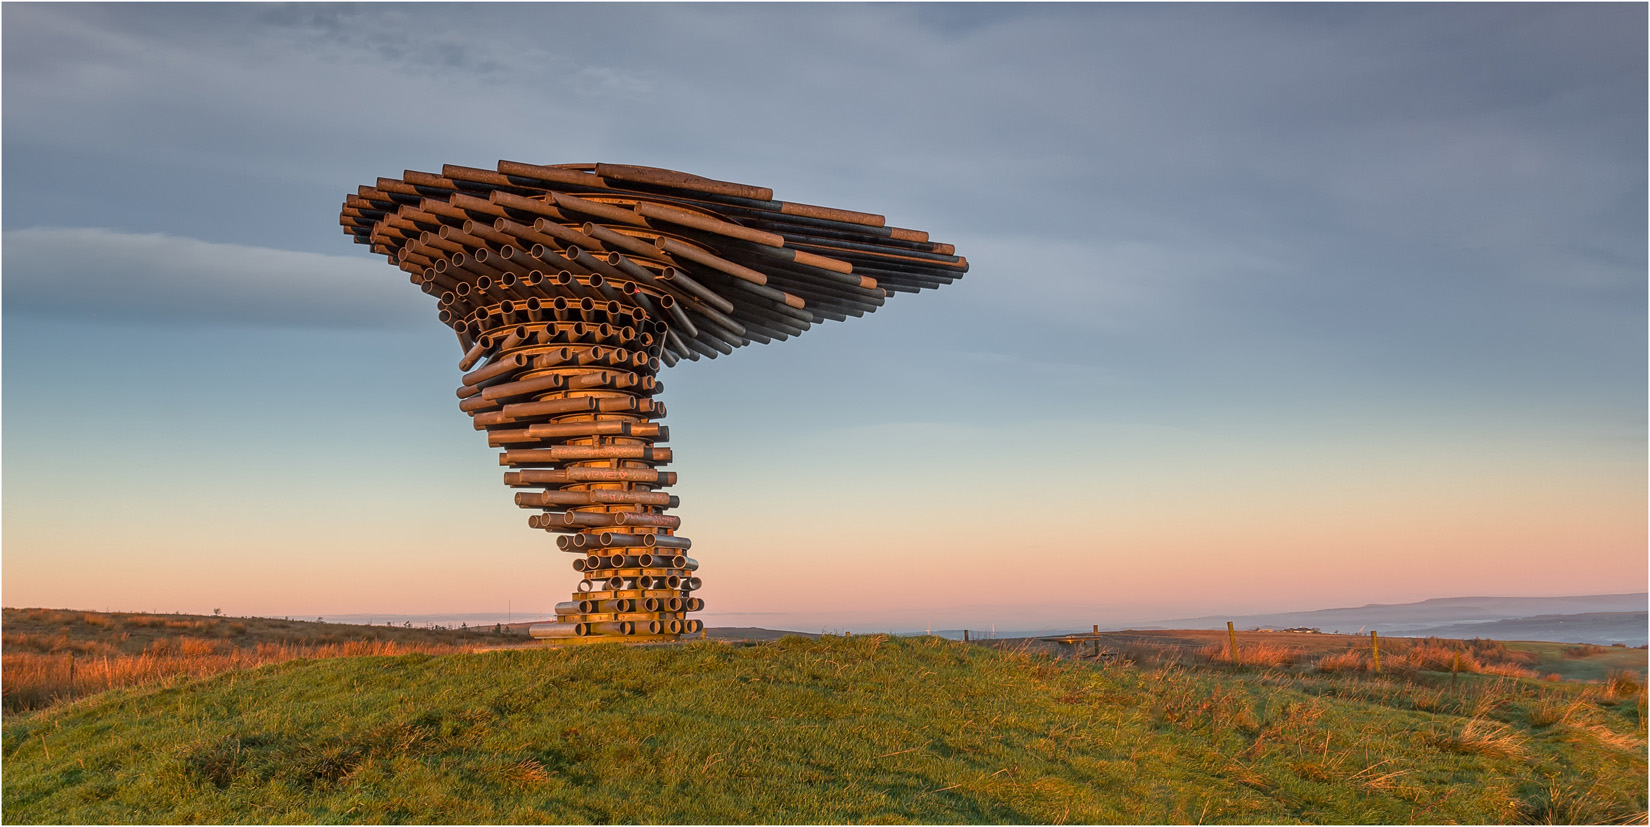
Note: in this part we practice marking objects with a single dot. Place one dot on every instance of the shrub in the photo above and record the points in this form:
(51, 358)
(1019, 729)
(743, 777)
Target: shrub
(1622, 683)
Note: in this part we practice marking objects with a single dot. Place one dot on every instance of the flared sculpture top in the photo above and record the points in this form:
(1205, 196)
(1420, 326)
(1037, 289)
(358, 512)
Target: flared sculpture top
(717, 265)
(569, 288)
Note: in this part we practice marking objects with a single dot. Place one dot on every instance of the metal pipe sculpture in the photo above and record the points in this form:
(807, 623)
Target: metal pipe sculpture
(569, 286)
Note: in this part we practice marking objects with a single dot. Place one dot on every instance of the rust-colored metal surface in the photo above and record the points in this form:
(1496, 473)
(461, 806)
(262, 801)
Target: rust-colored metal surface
(569, 288)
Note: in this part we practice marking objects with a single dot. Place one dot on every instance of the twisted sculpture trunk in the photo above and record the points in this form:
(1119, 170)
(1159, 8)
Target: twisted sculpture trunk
(569, 288)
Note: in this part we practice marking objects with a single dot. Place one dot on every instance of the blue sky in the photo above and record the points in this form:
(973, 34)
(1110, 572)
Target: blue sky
(1271, 307)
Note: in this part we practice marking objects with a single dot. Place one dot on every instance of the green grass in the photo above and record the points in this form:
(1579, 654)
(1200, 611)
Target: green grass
(859, 729)
(1589, 667)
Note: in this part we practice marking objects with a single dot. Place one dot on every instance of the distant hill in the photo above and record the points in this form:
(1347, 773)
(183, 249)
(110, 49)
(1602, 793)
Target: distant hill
(1631, 628)
(1410, 618)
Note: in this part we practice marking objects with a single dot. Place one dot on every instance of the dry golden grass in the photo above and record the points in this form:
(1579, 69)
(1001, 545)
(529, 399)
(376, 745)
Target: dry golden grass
(56, 644)
(1555, 709)
(1567, 802)
(1477, 657)
(1482, 736)
(111, 650)
(1152, 653)
(1253, 654)
(34, 680)
(1351, 660)
(1623, 684)
(1431, 655)
(1507, 670)
(1603, 735)
(1437, 657)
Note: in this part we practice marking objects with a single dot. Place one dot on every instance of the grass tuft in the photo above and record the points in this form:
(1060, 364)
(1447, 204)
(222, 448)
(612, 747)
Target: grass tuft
(1480, 736)
(1568, 802)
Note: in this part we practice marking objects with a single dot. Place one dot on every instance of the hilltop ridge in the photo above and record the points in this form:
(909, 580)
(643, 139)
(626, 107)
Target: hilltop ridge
(838, 730)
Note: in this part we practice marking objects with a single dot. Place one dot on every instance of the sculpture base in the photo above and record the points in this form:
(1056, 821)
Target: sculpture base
(557, 642)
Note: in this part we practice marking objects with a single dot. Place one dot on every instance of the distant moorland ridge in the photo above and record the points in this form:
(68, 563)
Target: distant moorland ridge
(1426, 617)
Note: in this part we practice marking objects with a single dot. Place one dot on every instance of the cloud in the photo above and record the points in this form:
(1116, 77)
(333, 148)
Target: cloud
(1489, 128)
(85, 273)
(1324, 180)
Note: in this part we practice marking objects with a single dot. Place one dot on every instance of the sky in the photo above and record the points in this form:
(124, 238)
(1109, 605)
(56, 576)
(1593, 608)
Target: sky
(1271, 307)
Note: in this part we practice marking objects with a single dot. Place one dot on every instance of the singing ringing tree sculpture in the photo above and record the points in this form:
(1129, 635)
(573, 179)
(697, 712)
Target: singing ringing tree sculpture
(569, 287)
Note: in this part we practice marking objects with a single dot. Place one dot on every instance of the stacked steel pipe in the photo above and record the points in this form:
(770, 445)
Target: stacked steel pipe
(569, 286)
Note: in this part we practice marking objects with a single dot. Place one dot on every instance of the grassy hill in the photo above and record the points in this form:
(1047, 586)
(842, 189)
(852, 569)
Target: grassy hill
(1510, 658)
(52, 655)
(858, 729)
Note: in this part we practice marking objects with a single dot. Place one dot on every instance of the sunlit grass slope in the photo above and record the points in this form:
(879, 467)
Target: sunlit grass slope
(54, 655)
(860, 729)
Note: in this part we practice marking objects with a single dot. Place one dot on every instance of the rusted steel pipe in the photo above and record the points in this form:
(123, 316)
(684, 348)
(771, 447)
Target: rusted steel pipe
(568, 453)
(564, 236)
(545, 631)
(677, 278)
(830, 214)
(680, 180)
(584, 259)
(503, 366)
(610, 427)
(575, 476)
(606, 539)
(472, 356)
(618, 241)
(553, 175)
(523, 387)
(709, 225)
(711, 260)
(434, 241)
(523, 204)
(473, 206)
(550, 499)
(606, 212)
(604, 519)
(528, 236)
(459, 236)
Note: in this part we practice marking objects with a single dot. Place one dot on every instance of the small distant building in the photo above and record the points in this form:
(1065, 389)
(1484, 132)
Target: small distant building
(1303, 630)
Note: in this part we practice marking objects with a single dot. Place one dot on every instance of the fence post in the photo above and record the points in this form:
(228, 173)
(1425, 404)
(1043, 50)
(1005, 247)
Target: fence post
(1231, 634)
(1375, 649)
(71, 673)
(965, 636)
